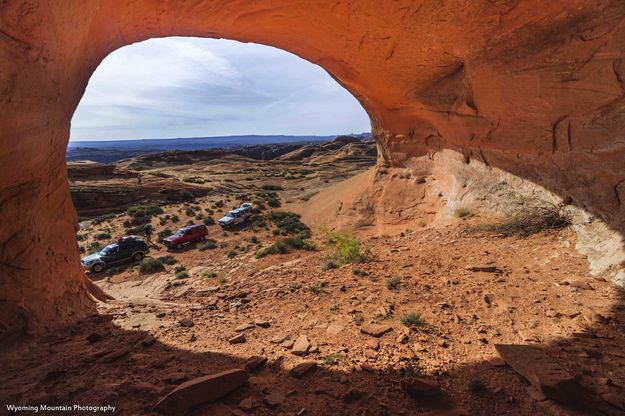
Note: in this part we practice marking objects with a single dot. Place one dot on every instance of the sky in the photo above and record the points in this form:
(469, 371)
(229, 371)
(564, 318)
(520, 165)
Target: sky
(192, 87)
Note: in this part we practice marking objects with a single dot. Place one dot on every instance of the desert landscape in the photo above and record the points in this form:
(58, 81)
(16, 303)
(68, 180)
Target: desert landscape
(406, 313)
(463, 256)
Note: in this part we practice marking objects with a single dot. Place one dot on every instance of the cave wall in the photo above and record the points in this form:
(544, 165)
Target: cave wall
(531, 87)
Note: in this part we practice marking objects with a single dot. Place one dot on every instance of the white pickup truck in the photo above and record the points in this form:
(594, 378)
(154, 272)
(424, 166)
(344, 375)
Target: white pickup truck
(236, 216)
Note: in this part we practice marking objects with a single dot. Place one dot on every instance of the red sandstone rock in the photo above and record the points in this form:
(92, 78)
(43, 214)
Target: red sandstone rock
(200, 390)
(538, 368)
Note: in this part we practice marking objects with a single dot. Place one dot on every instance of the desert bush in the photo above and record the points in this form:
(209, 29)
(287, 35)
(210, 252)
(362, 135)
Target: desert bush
(80, 237)
(150, 265)
(232, 254)
(221, 279)
(175, 218)
(393, 283)
(164, 233)
(253, 239)
(346, 247)
(288, 223)
(167, 260)
(285, 245)
(148, 210)
(463, 212)
(209, 221)
(534, 216)
(209, 274)
(103, 236)
(182, 275)
(190, 212)
(412, 319)
(475, 386)
(207, 245)
(179, 268)
(102, 218)
(271, 187)
(94, 247)
(330, 264)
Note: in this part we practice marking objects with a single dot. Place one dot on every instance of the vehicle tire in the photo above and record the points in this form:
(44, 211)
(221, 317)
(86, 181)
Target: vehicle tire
(97, 268)
(178, 246)
(138, 256)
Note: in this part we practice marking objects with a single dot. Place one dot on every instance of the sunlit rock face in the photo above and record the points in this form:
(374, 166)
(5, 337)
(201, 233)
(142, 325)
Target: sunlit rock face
(532, 87)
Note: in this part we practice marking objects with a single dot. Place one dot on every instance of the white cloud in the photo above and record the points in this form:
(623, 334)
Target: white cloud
(184, 87)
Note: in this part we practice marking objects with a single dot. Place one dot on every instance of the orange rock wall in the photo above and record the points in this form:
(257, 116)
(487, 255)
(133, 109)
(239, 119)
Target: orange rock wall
(530, 86)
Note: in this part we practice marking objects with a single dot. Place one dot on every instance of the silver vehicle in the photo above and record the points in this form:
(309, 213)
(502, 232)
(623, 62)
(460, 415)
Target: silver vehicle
(236, 216)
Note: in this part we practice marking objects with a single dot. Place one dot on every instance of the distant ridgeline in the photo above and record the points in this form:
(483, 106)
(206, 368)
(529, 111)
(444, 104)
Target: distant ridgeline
(107, 151)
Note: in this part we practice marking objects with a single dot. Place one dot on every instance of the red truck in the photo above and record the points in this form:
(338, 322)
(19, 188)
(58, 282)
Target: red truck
(188, 234)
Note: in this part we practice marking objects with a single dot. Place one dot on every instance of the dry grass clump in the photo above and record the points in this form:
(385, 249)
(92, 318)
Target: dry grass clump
(533, 217)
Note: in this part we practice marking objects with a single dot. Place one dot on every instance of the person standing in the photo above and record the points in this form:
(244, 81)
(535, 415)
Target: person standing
(147, 230)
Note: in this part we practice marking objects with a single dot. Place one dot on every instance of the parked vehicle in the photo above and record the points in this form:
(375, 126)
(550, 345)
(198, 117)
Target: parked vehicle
(127, 249)
(185, 235)
(236, 216)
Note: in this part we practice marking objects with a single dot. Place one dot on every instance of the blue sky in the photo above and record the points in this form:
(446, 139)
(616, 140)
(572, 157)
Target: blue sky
(189, 87)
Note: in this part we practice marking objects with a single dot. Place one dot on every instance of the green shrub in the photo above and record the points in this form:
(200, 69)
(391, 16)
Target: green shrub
(209, 221)
(94, 247)
(148, 210)
(253, 239)
(283, 246)
(412, 319)
(80, 237)
(393, 283)
(190, 212)
(331, 359)
(288, 223)
(329, 264)
(175, 219)
(182, 275)
(209, 274)
(232, 254)
(207, 245)
(150, 265)
(179, 268)
(164, 233)
(103, 236)
(346, 247)
(102, 218)
(168, 260)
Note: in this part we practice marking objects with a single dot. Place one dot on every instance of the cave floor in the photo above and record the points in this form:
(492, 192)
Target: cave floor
(539, 294)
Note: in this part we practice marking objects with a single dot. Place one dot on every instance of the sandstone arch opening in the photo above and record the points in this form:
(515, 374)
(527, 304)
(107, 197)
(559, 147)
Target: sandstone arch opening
(466, 94)
(523, 88)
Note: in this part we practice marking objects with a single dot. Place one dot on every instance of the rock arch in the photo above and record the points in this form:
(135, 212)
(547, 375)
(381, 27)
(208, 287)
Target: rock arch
(534, 88)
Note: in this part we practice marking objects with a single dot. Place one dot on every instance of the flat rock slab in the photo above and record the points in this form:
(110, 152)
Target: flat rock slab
(375, 330)
(482, 268)
(533, 363)
(421, 387)
(303, 368)
(301, 345)
(244, 327)
(200, 390)
(237, 339)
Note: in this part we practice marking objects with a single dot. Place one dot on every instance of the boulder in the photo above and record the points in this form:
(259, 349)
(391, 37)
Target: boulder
(542, 372)
(375, 330)
(301, 345)
(200, 390)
